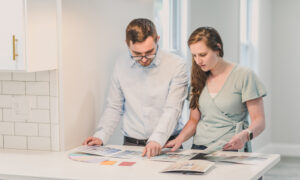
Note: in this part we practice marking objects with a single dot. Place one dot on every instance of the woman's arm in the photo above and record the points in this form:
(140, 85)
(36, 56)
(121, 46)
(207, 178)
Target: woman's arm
(187, 132)
(257, 116)
(256, 111)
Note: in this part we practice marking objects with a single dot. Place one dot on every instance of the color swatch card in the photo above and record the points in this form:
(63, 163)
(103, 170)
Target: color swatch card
(126, 163)
(108, 162)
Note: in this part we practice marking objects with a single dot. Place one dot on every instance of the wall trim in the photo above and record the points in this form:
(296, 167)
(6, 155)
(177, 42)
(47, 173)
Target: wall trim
(282, 149)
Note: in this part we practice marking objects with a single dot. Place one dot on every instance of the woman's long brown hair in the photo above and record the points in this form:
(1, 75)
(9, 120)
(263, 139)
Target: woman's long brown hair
(199, 77)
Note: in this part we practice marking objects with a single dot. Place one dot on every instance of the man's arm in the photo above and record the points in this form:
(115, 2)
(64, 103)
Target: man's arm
(172, 108)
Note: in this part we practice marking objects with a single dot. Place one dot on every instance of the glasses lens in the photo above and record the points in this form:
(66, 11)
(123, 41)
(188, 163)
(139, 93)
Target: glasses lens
(137, 58)
(150, 56)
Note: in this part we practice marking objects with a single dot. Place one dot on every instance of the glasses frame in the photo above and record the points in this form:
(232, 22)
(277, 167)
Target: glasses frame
(141, 57)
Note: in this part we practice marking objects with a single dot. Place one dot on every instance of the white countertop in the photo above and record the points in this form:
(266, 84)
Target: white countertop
(31, 165)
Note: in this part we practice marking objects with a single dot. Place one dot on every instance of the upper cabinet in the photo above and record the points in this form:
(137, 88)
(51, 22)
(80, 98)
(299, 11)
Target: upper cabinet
(28, 35)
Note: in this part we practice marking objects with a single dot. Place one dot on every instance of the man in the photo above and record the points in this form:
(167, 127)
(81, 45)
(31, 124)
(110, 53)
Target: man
(147, 91)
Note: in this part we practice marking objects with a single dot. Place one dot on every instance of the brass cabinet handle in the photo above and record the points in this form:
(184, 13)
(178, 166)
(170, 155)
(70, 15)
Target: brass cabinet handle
(14, 47)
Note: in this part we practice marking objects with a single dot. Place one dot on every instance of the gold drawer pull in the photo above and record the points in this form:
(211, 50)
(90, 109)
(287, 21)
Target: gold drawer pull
(15, 40)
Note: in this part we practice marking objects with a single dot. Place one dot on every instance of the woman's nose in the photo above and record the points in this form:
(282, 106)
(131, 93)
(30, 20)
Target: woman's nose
(197, 59)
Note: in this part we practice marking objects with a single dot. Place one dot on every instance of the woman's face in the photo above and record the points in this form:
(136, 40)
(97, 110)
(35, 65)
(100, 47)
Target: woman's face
(204, 57)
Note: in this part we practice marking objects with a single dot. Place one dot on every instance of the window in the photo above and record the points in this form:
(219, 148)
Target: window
(248, 33)
(245, 28)
(170, 17)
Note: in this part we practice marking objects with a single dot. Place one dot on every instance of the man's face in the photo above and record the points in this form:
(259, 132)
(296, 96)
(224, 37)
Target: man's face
(145, 48)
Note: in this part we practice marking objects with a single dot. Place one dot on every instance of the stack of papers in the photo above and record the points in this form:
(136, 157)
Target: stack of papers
(189, 167)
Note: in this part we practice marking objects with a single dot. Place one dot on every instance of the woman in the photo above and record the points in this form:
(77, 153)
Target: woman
(222, 96)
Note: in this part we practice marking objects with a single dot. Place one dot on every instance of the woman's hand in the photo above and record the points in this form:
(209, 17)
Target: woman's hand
(174, 144)
(237, 141)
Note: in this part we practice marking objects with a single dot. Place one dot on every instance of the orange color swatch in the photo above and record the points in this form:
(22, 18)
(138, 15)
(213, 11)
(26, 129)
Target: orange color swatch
(108, 162)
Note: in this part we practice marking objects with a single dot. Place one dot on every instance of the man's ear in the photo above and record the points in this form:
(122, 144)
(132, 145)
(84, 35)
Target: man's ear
(219, 45)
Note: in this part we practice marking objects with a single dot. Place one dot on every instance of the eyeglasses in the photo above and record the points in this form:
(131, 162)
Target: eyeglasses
(148, 57)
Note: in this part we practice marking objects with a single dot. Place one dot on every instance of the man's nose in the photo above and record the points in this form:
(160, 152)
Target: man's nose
(144, 59)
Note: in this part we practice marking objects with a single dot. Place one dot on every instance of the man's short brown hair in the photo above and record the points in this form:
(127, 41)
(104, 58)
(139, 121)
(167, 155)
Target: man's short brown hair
(138, 30)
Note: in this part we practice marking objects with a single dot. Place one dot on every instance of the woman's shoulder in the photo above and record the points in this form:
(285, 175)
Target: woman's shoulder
(242, 70)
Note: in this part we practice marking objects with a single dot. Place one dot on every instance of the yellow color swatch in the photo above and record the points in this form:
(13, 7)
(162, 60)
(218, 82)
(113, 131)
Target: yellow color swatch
(108, 162)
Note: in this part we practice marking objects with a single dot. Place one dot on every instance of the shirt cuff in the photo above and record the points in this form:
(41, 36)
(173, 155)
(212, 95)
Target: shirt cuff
(159, 138)
(101, 135)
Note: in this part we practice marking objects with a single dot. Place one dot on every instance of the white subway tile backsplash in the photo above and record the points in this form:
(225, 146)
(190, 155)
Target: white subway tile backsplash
(5, 101)
(23, 76)
(43, 102)
(37, 88)
(44, 130)
(26, 129)
(8, 115)
(33, 101)
(29, 110)
(5, 76)
(15, 142)
(38, 115)
(43, 76)
(6, 128)
(39, 143)
(55, 137)
(13, 87)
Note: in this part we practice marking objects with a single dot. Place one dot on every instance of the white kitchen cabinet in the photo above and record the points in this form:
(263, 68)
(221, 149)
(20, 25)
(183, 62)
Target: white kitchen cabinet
(28, 35)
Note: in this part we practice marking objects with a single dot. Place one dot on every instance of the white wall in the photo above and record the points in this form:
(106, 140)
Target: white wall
(224, 17)
(285, 76)
(93, 35)
(262, 16)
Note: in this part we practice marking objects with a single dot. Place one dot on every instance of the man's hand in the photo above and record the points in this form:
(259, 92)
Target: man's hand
(152, 149)
(91, 141)
(237, 141)
(174, 144)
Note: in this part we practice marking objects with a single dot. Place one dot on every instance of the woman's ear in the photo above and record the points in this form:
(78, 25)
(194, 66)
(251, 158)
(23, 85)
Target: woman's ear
(220, 49)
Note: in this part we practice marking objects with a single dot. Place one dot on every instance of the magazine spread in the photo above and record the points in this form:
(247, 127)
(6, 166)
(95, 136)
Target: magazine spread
(233, 157)
(105, 151)
(189, 167)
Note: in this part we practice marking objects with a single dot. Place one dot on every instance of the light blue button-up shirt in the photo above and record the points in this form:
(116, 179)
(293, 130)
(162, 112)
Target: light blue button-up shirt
(148, 99)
